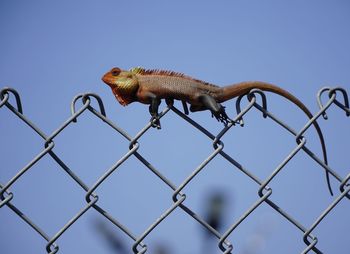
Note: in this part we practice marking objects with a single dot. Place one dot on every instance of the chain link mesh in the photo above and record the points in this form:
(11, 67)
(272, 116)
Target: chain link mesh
(178, 196)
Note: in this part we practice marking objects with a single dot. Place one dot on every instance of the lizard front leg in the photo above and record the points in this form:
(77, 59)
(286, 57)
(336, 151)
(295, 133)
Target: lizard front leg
(153, 110)
(217, 110)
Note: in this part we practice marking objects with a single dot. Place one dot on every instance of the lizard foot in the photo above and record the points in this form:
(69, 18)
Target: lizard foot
(155, 122)
(221, 116)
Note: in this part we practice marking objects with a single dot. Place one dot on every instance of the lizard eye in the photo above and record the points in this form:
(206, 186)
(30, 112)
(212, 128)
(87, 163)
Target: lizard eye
(115, 71)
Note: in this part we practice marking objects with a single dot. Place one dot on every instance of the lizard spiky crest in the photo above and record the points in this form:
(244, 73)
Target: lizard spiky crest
(142, 71)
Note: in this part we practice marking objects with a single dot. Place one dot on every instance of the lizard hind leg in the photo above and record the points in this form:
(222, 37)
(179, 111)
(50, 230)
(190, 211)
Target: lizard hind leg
(217, 110)
(196, 108)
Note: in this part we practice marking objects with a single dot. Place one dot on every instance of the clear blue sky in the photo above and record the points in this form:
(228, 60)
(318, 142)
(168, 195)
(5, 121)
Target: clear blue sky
(52, 50)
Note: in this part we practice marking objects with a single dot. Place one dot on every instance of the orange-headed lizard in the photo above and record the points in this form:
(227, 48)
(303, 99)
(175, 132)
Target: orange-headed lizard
(150, 86)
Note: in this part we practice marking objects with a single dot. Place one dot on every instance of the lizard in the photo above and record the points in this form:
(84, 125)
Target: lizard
(151, 86)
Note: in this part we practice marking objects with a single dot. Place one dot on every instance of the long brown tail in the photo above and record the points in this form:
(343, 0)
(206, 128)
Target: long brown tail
(238, 89)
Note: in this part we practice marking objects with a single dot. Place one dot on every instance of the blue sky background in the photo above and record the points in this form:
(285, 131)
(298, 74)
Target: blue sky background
(52, 50)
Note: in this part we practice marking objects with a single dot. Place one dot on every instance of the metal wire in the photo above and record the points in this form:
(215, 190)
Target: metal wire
(178, 197)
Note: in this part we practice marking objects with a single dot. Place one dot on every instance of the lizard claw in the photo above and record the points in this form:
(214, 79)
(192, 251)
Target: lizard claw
(221, 116)
(155, 123)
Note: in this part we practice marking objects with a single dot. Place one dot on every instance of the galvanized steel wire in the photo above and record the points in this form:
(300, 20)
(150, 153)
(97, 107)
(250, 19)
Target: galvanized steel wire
(336, 96)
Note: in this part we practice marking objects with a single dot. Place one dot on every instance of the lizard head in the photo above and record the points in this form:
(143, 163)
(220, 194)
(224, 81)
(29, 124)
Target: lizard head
(124, 84)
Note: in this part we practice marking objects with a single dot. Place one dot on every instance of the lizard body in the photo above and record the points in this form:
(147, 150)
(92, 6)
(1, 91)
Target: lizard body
(150, 86)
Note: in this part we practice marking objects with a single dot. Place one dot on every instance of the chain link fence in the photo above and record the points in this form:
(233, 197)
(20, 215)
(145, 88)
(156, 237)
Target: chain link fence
(336, 96)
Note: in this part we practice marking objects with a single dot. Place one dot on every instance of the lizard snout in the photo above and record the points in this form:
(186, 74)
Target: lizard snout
(107, 79)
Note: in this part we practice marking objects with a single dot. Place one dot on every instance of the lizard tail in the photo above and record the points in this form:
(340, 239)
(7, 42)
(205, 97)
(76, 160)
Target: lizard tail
(242, 88)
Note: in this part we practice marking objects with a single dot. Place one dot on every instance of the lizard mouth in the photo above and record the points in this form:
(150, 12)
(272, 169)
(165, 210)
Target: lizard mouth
(106, 79)
(109, 80)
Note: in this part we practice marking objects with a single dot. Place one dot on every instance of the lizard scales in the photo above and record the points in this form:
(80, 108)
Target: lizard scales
(150, 86)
